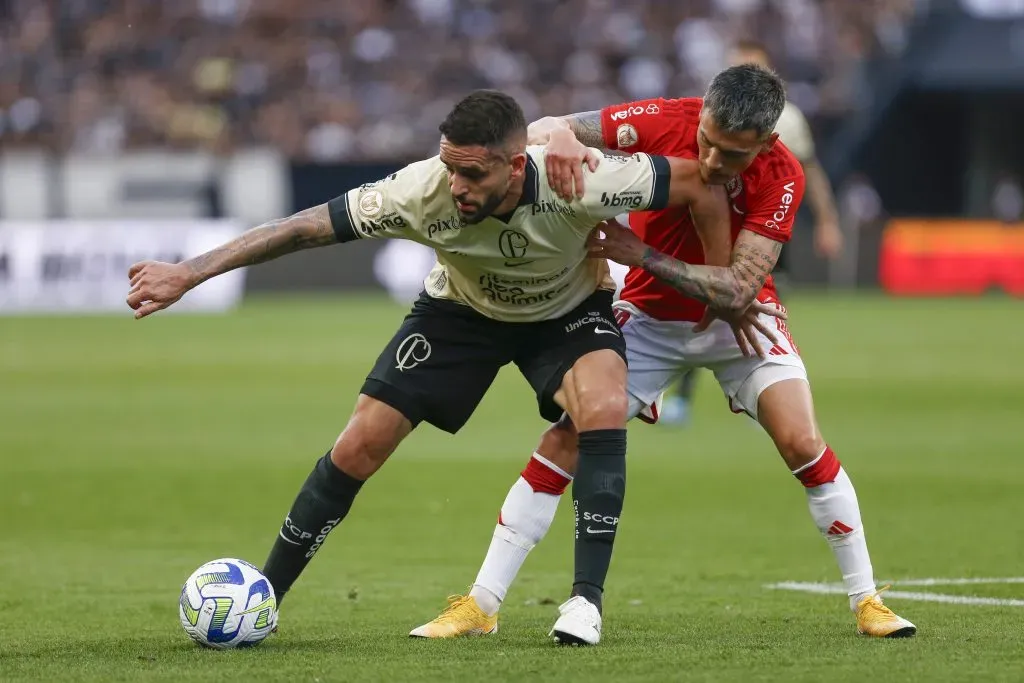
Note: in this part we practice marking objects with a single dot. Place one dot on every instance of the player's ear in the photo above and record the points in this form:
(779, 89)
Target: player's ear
(518, 161)
(769, 143)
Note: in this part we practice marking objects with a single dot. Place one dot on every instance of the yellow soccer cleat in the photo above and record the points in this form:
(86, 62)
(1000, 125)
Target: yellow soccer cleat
(462, 617)
(875, 619)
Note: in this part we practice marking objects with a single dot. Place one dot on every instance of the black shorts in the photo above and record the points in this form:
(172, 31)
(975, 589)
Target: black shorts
(443, 358)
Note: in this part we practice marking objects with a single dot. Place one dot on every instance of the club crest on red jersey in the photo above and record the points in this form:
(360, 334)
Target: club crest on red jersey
(626, 135)
(734, 187)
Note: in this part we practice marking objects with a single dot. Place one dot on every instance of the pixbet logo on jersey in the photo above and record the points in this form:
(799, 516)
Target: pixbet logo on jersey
(635, 110)
(784, 203)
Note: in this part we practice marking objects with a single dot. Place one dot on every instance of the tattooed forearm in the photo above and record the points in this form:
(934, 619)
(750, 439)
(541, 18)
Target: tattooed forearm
(732, 288)
(303, 230)
(586, 126)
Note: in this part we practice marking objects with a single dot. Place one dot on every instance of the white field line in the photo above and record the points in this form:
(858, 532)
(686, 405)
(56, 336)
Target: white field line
(837, 589)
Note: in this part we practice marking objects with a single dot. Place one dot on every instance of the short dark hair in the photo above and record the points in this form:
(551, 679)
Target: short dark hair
(488, 118)
(746, 97)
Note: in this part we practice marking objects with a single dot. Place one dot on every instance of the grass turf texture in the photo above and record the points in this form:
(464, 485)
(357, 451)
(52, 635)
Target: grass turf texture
(131, 452)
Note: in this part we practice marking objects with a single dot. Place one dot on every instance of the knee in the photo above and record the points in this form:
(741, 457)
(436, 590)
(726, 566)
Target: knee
(799, 447)
(370, 437)
(602, 410)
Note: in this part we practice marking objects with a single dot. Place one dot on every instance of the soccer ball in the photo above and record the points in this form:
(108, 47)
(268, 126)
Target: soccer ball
(227, 603)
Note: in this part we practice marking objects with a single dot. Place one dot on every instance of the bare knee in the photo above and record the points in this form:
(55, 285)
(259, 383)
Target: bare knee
(602, 410)
(560, 445)
(798, 447)
(370, 437)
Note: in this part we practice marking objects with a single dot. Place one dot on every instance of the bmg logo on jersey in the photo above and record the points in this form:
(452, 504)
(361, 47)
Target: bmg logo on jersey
(413, 350)
(630, 198)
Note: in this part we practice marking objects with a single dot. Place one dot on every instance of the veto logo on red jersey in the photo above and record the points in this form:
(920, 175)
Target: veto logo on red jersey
(635, 111)
(784, 203)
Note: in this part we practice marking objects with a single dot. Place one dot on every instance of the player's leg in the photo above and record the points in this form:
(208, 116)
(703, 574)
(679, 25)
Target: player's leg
(436, 369)
(530, 506)
(371, 435)
(776, 393)
(577, 365)
(786, 410)
(523, 520)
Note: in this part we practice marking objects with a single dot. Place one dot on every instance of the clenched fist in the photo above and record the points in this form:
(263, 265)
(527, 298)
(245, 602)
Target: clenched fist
(156, 285)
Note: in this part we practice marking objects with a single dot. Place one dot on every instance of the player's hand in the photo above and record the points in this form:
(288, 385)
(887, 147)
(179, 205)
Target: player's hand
(746, 325)
(618, 243)
(828, 239)
(156, 285)
(564, 157)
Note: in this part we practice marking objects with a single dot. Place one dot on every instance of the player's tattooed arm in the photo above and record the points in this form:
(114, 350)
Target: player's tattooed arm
(303, 230)
(156, 285)
(731, 288)
(585, 126)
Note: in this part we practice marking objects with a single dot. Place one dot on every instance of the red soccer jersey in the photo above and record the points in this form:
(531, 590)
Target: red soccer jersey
(764, 198)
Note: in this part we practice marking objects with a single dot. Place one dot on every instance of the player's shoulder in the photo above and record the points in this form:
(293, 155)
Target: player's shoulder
(778, 165)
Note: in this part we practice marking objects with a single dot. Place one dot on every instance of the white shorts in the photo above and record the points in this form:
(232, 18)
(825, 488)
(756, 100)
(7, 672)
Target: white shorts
(659, 351)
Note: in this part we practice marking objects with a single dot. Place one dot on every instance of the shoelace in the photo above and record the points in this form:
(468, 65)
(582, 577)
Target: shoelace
(455, 605)
(877, 605)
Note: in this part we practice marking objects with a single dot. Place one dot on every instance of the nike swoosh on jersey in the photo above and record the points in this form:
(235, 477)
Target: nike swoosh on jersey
(599, 330)
(600, 531)
(509, 264)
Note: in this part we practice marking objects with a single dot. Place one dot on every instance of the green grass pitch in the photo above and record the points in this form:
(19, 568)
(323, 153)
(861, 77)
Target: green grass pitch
(131, 452)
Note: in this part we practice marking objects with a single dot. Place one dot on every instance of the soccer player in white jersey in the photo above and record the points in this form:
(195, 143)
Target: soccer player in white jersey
(512, 284)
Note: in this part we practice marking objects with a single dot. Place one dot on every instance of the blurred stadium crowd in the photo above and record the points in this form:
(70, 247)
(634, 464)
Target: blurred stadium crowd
(341, 80)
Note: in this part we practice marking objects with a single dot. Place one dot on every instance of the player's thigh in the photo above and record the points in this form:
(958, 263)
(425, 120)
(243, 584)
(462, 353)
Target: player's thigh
(743, 380)
(654, 360)
(586, 340)
(786, 411)
(439, 364)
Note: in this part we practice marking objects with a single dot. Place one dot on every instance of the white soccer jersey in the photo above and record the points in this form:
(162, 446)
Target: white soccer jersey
(795, 133)
(527, 266)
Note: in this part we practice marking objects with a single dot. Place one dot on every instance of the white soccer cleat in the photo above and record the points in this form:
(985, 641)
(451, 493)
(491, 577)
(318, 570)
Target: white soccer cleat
(579, 623)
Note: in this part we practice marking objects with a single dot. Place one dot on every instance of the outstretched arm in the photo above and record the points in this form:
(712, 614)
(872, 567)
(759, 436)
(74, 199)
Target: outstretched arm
(303, 230)
(155, 285)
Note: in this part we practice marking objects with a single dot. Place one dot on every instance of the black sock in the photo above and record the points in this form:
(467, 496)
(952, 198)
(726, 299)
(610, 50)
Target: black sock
(323, 501)
(597, 493)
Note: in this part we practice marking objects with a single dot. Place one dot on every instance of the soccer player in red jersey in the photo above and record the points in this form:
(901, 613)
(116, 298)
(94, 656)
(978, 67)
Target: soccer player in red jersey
(666, 313)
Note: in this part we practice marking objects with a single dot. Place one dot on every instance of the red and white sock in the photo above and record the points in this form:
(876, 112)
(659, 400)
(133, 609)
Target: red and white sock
(526, 515)
(834, 508)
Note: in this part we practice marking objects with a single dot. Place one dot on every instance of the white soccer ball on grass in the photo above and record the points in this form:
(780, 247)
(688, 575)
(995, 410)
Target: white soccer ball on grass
(227, 603)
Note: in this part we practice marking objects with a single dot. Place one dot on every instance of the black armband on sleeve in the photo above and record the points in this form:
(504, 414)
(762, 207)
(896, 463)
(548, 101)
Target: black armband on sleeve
(341, 219)
(662, 178)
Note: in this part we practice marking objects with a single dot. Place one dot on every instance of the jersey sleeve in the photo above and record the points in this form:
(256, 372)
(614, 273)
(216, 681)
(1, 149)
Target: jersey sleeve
(640, 126)
(795, 133)
(774, 207)
(639, 182)
(390, 207)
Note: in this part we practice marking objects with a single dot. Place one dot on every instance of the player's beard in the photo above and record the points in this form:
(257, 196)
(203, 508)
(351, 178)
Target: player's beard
(484, 210)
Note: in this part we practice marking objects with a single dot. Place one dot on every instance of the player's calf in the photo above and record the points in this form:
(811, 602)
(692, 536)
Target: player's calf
(595, 394)
(372, 434)
(525, 517)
